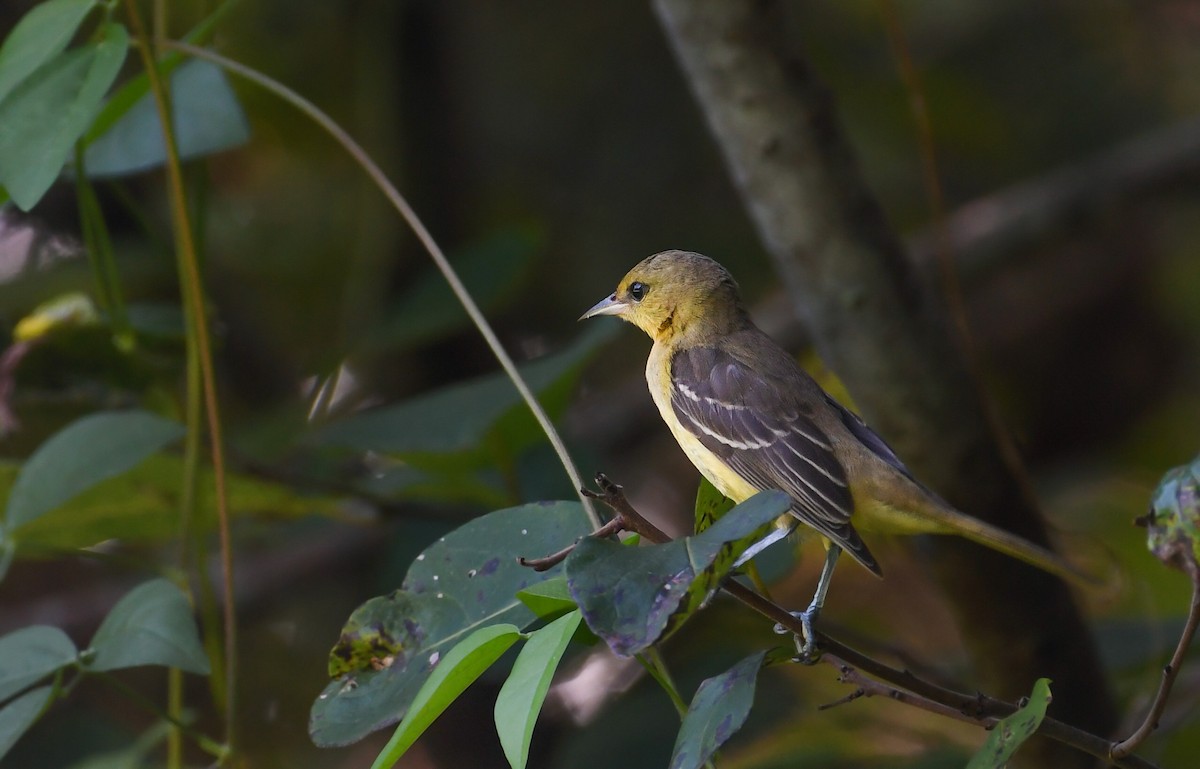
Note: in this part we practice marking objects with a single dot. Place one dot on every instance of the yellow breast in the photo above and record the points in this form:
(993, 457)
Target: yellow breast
(658, 378)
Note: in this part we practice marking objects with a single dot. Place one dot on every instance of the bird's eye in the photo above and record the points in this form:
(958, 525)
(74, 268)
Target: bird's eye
(638, 291)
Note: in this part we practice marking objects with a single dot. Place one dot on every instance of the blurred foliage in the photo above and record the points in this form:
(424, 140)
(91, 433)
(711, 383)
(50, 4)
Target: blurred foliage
(549, 147)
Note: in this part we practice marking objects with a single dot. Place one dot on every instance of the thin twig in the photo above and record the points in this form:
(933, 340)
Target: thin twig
(1169, 674)
(552, 560)
(401, 205)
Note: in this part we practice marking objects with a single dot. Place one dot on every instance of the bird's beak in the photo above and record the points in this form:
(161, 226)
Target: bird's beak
(607, 306)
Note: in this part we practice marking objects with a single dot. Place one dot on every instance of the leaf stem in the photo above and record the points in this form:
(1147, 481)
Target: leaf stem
(192, 291)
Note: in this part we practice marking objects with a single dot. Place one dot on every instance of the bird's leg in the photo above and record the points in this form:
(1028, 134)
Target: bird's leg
(806, 646)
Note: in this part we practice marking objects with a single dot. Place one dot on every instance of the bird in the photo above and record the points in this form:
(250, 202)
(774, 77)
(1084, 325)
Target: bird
(750, 419)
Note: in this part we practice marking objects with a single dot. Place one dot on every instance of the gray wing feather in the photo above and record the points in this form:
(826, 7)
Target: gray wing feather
(766, 437)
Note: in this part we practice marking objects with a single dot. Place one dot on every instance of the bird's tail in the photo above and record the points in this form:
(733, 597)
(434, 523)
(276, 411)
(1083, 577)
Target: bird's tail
(955, 522)
(914, 509)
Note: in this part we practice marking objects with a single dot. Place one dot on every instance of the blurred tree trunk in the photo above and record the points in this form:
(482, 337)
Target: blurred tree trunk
(886, 336)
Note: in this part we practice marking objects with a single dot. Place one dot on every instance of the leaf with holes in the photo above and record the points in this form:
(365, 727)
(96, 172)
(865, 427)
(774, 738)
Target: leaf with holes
(465, 581)
(1007, 736)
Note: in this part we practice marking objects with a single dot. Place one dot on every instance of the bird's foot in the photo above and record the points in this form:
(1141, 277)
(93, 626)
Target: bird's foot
(806, 642)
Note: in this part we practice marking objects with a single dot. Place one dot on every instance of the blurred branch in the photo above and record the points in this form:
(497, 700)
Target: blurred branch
(987, 232)
(903, 686)
(884, 333)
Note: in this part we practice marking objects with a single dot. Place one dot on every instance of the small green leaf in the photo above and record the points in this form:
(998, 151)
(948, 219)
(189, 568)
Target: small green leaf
(630, 596)
(462, 665)
(205, 114)
(1010, 733)
(151, 625)
(465, 581)
(43, 116)
(17, 716)
(520, 699)
(711, 505)
(82, 454)
(38, 37)
(718, 710)
(548, 599)
(28, 654)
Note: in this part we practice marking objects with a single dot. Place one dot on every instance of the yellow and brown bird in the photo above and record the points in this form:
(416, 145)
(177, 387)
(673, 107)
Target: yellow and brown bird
(751, 419)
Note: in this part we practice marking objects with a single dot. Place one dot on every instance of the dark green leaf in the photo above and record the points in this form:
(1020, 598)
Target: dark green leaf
(548, 599)
(44, 115)
(428, 310)
(139, 505)
(466, 580)
(629, 595)
(462, 665)
(718, 710)
(17, 716)
(520, 699)
(205, 114)
(456, 418)
(151, 625)
(28, 654)
(39, 36)
(82, 454)
(1007, 736)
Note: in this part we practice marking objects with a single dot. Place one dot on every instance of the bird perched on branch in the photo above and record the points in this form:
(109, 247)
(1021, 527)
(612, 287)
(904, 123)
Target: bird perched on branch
(751, 419)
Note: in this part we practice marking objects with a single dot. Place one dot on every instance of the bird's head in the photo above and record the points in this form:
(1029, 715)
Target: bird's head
(673, 293)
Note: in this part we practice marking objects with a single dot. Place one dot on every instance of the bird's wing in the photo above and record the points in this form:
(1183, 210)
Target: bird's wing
(764, 435)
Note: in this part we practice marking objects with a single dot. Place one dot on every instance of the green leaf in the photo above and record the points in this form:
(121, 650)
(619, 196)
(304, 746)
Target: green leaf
(490, 270)
(82, 454)
(462, 665)
(520, 699)
(39, 36)
(28, 654)
(630, 596)
(86, 452)
(151, 625)
(466, 580)
(43, 116)
(17, 716)
(1010, 733)
(711, 505)
(205, 114)
(457, 418)
(139, 504)
(718, 710)
(548, 599)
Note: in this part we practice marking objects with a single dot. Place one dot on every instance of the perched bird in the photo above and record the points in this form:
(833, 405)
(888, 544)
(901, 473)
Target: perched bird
(751, 419)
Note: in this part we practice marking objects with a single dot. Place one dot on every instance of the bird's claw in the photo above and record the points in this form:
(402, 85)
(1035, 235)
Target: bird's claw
(806, 643)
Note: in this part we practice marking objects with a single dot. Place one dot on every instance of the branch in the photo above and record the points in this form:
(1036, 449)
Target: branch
(1170, 672)
(880, 328)
(907, 688)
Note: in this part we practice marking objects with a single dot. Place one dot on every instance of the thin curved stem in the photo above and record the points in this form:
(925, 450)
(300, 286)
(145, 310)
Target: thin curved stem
(401, 205)
(200, 351)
